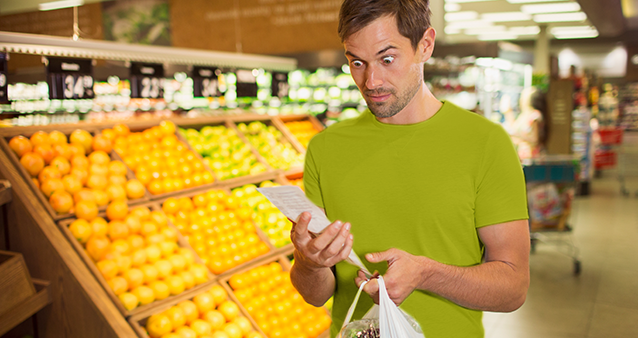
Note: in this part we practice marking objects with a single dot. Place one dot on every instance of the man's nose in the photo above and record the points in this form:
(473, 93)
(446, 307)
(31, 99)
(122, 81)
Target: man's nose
(373, 78)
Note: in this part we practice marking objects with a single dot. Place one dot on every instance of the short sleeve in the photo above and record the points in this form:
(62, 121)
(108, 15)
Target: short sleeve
(500, 188)
(311, 175)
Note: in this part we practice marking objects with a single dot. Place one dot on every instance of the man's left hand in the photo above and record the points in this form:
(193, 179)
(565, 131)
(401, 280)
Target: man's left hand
(405, 273)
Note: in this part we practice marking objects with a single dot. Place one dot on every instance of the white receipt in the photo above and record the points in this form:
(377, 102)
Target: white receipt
(292, 201)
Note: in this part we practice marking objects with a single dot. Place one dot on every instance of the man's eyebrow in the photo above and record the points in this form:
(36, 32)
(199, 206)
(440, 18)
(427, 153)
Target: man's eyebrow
(378, 53)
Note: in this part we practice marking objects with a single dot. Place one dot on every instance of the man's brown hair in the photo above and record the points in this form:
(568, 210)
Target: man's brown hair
(413, 16)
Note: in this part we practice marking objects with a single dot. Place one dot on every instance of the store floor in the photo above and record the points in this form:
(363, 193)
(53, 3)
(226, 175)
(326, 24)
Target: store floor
(603, 300)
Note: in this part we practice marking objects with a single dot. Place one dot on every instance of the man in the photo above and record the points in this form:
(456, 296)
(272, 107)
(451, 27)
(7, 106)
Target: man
(432, 195)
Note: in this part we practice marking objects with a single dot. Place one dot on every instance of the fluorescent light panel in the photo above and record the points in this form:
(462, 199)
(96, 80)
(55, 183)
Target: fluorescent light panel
(577, 35)
(469, 24)
(49, 6)
(452, 8)
(551, 8)
(530, 1)
(506, 16)
(486, 30)
(461, 16)
(560, 17)
(452, 30)
(525, 30)
(494, 37)
(573, 29)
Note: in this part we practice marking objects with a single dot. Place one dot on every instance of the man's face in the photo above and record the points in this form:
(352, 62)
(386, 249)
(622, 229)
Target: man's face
(384, 66)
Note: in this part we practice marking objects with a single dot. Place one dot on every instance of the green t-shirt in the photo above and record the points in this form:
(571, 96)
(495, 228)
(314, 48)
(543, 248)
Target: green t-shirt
(423, 188)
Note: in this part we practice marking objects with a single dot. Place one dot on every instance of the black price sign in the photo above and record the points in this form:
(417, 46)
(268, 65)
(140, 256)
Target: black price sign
(147, 80)
(3, 78)
(246, 83)
(205, 82)
(70, 78)
(279, 85)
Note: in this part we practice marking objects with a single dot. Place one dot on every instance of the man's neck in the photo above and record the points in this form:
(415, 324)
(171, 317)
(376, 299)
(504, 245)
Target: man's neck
(421, 108)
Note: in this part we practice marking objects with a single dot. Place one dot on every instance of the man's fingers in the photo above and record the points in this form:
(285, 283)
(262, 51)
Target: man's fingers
(338, 243)
(377, 257)
(343, 252)
(300, 233)
(323, 241)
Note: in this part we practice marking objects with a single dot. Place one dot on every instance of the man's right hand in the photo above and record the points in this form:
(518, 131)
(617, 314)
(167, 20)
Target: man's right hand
(332, 246)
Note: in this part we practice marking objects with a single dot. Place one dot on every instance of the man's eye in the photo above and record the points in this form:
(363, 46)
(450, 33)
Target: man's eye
(357, 63)
(388, 60)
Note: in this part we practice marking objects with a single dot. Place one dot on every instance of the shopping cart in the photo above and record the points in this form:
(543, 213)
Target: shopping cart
(628, 160)
(606, 155)
(551, 185)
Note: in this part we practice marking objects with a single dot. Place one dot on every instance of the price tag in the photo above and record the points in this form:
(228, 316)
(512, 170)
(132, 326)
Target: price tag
(205, 82)
(279, 86)
(246, 83)
(147, 80)
(70, 78)
(3, 79)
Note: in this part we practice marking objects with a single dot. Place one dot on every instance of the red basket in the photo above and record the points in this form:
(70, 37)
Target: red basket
(605, 159)
(610, 136)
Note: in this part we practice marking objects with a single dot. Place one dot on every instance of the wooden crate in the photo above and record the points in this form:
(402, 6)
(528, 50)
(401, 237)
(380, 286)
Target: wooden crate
(285, 266)
(27, 308)
(4, 144)
(138, 321)
(283, 119)
(64, 227)
(15, 281)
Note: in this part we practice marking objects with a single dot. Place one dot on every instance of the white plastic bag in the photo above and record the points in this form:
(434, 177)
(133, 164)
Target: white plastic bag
(391, 320)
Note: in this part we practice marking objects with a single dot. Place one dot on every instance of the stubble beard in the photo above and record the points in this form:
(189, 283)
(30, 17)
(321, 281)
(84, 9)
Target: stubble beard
(392, 107)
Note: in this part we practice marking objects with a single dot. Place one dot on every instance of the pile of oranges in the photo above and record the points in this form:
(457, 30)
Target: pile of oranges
(77, 176)
(302, 130)
(161, 161)
(269, 297)
(137, 253)
(208, 315)
(217, 227)
(297, 181)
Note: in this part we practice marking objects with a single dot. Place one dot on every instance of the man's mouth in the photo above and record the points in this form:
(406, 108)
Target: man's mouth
(379, 97)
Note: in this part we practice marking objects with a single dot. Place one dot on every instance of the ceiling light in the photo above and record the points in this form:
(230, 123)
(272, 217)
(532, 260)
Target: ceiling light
(461, 16)
(49, 6)
(560, 17)
(452, 30)
(525, 30)
(465, 1)
(530, 1)
(486, 30)
(585, 35)
(572, 29)
(506, 16)
(551, 8)
(469, 24)
(452, 7)
(495, 37)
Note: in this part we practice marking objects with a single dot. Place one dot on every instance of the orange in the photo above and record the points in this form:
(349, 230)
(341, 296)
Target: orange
(101, 198)
(201, 327)
(215, 319)
(205, 302)
(169, 233)
(164, 268)
(232, 330)
(40, 137)
(49, 172)
(72, 184)
(76, 149)
(144, 177)
(155, 186)
(109, 134)
(20, 145)
(119, 285)
(63, 150)
(220, 334)
(86, 210)
(100, 226)
(167, 248)
(107, 268)
(45, 151)
(188, 279)
(160, 289)
(99, 157)
(116, 193)
(190, 310)
(97, 246)
(51, 185)
(150, 273)
(80, 162)
(144, 294)
(129, 300)
(167, 127)
(102, 143)
(83, 138)
(118, 230)
(61, 201)
(32, 162)
(133, 223)
(244, 325)
(171, 206)
(117, 180)
(229, 310)
(186, 332)
(97, 182)
(218, 293)
(81, 230)
(158, 325)
(200, 272)
(81, 174)
(121, 130)
(136, 241)
(117, 210)
(62, 164)
(175, 285)
(254, 334)
(141, 212)
(117, 168)
(118, 247)
(159, 218)
(134, 277)
(138, 258)
(176, 315)
(153, 253)
(135, 189)
(178, 262)
(57, 137)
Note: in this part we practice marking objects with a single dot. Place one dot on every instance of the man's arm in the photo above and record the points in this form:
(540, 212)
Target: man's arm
(311, 274)
(499, 284)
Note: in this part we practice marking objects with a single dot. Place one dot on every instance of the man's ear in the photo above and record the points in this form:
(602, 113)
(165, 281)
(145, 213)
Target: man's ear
(426, 45)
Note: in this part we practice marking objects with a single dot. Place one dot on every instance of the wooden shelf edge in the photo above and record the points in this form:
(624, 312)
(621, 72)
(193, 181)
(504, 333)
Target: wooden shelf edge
(28, 308)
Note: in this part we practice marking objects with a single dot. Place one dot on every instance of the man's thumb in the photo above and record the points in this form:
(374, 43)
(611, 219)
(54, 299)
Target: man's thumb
(376, 257)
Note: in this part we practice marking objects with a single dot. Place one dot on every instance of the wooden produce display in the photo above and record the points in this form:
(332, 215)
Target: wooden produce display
(235, 214)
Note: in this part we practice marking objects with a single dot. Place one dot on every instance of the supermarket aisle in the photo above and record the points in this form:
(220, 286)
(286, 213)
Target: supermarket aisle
(603, 300)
